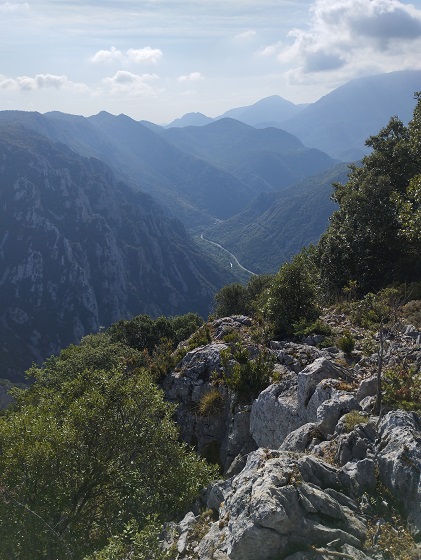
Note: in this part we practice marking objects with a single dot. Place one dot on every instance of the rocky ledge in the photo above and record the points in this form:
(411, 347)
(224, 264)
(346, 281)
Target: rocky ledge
(309, 470)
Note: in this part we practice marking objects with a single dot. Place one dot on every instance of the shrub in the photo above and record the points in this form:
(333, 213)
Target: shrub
(199, 338)
(246, 376)
(144, 333)
(305, 328)
(411, 312)
(230, 300)
(84, 454)
(346, 342)
(377, 309)
(211, 403)
(402, 387)
(136, 544)
(233, 336)
(352, 419)
(291, 297)
(235, 299)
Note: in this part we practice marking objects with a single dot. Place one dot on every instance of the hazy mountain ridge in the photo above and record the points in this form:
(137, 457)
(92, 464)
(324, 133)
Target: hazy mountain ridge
(199, 173)
(267, 159)
(339, 122)
(80, 249)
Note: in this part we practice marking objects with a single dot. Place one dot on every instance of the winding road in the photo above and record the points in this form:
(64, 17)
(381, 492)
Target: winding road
(234, 258)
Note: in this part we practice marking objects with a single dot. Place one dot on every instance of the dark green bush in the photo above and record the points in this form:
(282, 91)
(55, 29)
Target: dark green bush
(411, 312)
(292, 295)
(306, 328)
(245, 375)
(402, 387)
(236, 299)
(346, 342)
(144, 333)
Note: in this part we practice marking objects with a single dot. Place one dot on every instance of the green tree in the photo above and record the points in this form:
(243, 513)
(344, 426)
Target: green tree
(144, 333)
(230, 300)
(364, 240)
(84, 455)
(292, 295)
(135, 544)
(235, 299)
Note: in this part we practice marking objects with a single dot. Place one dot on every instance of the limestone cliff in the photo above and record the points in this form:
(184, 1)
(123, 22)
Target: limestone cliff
(79, 250)
(310, 471)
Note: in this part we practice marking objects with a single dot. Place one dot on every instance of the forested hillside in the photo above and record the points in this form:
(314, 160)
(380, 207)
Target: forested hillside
(275, 226)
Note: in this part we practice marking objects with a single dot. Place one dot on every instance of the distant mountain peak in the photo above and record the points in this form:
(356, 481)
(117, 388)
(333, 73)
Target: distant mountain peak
(190, 119)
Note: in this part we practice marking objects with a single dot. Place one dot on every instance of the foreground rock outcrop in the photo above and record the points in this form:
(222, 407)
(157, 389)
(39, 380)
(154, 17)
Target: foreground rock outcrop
(310, 472)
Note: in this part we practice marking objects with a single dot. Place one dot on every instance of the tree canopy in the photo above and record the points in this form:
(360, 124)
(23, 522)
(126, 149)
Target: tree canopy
(88, 449)
(372, 235)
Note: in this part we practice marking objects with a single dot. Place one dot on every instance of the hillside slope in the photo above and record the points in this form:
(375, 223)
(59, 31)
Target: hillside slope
(79, 250)
(340, 122)
(275, 226)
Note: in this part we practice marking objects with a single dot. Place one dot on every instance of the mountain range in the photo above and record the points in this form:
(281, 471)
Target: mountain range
(198, 175)
(80, 249)
(97, 213)
(338, 123)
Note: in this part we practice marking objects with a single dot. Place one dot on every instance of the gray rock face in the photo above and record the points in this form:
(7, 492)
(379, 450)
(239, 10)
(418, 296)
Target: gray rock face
(309, 396)
(275, 413)
(399, 461)
(287, 494)
(226, 433)
(300, 439)
(272, 508)
(80, 250)
(367, 388)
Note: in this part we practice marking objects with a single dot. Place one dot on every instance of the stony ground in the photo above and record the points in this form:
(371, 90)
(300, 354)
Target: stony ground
(309, 471)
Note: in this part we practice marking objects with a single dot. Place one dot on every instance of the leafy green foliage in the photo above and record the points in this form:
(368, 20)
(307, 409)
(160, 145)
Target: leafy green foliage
(411, 311)
(292, 295)
(236, 299)
(377, 207)
(135, 543)
(346, 342)
(86, 450)
(305, 328)
(402, 387)
(230, 300)
(377, 310)
(244, 374)
(144, 333)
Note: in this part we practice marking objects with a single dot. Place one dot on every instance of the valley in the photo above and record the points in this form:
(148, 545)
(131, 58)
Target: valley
(209, 341)
(105, 217)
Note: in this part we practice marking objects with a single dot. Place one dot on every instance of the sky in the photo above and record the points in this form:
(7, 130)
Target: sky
(159, 59)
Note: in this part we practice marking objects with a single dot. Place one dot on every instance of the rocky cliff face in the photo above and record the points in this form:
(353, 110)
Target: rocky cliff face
(79, 250)
(310, 471)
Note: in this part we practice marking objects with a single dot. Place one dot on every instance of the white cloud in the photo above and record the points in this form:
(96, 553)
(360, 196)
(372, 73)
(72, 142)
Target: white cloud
(271, 50)
(124, 82)
(192, 77)
(353, 36)
(9, 7)
(249, 34)
(40, 81)
(110, 55)
(147, 54)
